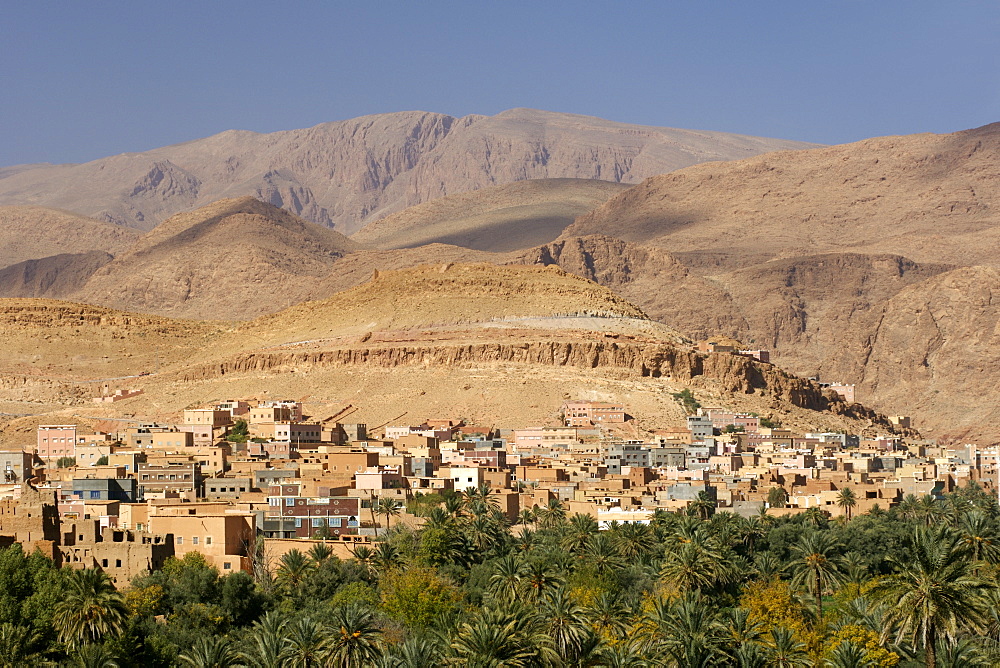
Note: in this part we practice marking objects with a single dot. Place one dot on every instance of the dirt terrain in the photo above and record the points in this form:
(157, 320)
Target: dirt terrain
(497, 345)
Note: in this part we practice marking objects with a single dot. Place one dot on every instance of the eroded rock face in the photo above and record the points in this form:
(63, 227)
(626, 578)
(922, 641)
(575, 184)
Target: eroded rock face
(345, 173)
(729, 373)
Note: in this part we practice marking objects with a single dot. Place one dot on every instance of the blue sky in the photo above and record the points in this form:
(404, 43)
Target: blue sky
(81, 81)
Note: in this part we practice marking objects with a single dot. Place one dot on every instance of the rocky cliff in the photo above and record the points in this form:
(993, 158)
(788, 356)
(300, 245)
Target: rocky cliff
(732, 374)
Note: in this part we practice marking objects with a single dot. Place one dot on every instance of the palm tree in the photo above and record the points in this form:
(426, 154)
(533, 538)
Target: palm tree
(416, 652)
(539, 578)
(566, 622)
(630, 653)
(815, 564)
(703, 506)
(501, 638)
(846, 499)
(355, 640)
(932, 593)
(293, 568)
(816, 516)
(506, 579)
(390, 508)
(19, 646)
(526, 517)
(692, 567)
(767, 566)
(687, 632)
(320, 552)
(89, 610)
(929, 510)
(305, 644)
(552, 514)
(209, 652)
(386, 557)
(979, 535)
(784, 651)
(601, 552)
(634, 540)
(908, 507)
(92, 656)
(366, 556)
(581, 528)
(608, 615)
(848, 655)
(265, 646)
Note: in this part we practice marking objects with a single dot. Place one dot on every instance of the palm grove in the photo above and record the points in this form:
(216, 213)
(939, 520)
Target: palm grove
(912, 585)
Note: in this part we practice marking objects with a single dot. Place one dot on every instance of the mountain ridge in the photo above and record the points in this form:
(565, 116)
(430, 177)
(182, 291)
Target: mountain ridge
(345, 173)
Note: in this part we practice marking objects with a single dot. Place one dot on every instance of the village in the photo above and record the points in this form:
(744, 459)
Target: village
(242, 480)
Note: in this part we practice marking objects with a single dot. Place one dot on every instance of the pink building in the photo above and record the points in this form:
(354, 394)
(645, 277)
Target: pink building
(55, 441)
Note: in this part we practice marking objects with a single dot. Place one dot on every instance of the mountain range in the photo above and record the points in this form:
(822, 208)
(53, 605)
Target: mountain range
(869, 263)
(346, 173)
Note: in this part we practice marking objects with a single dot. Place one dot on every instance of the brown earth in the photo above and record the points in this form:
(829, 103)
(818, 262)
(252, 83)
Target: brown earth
(234, 258)
(817, 255)
(503, 218)
(346, 173)
(492, 344)
(33, 232)
(930, 198)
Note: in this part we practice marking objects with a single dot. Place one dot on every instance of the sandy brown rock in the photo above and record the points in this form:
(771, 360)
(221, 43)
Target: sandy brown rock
(489, 342)
(53, 277)
(34, 232)
(233, 259)
(346, 173)
(930, 198)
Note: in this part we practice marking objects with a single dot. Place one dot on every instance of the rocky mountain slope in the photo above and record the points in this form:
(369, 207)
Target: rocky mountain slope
(234, 258)
(503, 218)
(930, 198)
(33, 232)
(346, 173)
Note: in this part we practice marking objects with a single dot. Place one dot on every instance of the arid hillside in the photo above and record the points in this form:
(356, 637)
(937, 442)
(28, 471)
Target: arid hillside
(33, 232)
(490, 343)
(503, 218)
(233, 259)
(346, 173)
(930, 198)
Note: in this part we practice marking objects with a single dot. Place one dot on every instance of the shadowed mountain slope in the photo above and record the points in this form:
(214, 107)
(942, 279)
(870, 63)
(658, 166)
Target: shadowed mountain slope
(33, 232)
(500, 218)
(234, 258)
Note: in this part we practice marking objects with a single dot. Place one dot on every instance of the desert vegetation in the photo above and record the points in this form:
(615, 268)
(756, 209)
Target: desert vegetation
(908, 586)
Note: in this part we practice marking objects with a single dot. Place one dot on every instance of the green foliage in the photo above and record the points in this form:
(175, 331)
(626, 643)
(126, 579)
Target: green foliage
(239, 432)
(416, 596)
(768, 423)
(65, 462)
(687, 399)
(101, 461)
(355, 593)
(907, 586)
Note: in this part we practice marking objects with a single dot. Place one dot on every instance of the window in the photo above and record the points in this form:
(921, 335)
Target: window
(104, 563)
(194, 540)
(226, 566)
(95, 495)
(179, 540)
(118, 563)
(208, 540)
